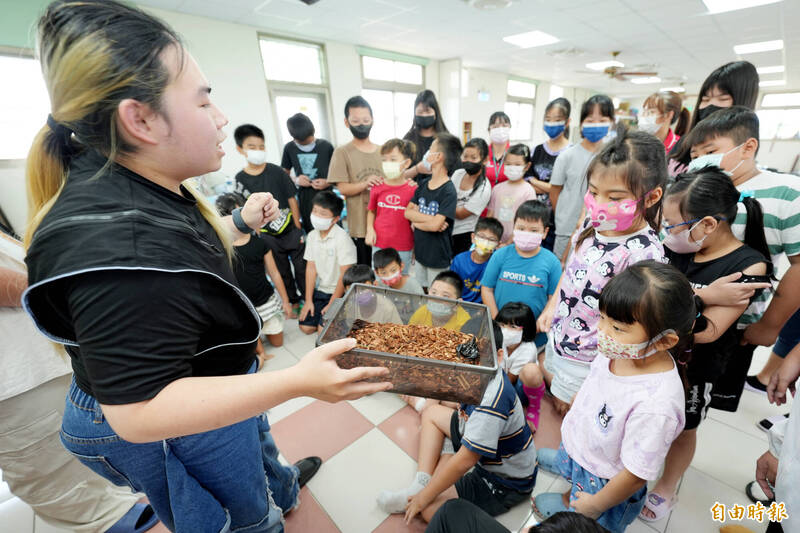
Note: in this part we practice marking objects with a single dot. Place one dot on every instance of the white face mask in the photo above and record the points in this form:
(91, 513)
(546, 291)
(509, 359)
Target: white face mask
(391, 169)
(500, 134)
(256, 157)
(306, 147)
(425, 162)
(648, 124)
(511, 336)
(320, 223)
(714, 160)
(514, 172)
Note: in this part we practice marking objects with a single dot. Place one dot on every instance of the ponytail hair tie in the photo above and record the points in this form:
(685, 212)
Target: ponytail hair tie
(63, 132)
(745, 194)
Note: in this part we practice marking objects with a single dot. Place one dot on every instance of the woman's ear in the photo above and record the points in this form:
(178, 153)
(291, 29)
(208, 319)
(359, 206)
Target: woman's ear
(666, 342)
(709, 224)
(653, 197)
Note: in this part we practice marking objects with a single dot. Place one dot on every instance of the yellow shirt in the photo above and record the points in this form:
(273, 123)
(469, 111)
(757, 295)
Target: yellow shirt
(423, 317)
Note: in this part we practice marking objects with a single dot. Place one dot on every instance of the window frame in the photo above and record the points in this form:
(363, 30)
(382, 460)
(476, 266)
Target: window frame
(21, 53)
(774, 137)
(277, 88)
(523, 100)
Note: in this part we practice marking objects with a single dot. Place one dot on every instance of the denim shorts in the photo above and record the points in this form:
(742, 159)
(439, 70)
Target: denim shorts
(615, 519)
(228, 479)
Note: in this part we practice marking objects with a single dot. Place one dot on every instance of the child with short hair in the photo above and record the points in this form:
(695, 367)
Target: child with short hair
(623, 205)
(252, 256)
(473, 192)
(510, 194)
(432, 209)
(283, 235)
(524, 271)
(446, 284)
(631, 405)
(329, 253)
(492, 437)
(310, 158)
(520, 361)
(369, 306)
(387, 226)
(389, 266)
(470, 265)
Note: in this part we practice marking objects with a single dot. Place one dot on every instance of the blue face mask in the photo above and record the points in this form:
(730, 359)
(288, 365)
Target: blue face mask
(554, 129)
(594, 132)
(306, 147)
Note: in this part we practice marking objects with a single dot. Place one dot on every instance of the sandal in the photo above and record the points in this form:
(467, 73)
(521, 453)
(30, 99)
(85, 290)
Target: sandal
(658, 505)
(547, 504)
(138, 519)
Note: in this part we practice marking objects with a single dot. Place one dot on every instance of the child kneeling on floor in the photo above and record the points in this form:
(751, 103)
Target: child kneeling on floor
(630, 408)
(492, 437)
(368, 305)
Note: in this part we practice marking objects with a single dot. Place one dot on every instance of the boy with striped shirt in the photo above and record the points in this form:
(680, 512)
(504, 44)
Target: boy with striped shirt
(728, 138)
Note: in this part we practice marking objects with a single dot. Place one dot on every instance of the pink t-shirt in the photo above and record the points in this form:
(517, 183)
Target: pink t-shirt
(598, 259)
(628, 422)
(506, 198)
(389, 202)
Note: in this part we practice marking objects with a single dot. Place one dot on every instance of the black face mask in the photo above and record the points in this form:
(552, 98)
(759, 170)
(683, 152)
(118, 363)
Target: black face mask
(424, 121)
(704, 112)
(471, 168)
(361, 131)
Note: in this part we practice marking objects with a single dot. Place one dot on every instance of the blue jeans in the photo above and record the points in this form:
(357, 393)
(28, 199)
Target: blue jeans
(788, 337)
(215, 481)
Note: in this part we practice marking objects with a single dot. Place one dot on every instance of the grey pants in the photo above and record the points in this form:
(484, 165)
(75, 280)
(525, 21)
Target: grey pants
(40, 472)
(561, 244)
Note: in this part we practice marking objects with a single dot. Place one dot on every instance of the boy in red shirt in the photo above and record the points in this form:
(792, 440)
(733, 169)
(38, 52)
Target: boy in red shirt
(387, 226)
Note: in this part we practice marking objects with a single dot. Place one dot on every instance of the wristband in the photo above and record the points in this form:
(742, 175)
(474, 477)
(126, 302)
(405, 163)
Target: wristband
(238, 221)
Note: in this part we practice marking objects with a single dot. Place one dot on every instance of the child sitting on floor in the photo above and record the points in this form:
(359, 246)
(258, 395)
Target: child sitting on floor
(492, 437)
(369, 305)
(446, 284)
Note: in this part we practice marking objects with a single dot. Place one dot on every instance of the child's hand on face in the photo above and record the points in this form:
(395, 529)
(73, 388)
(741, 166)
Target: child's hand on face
(584, 503)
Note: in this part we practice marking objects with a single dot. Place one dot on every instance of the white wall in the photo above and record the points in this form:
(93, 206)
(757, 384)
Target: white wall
(495, 83)
(449, 95)
(13, 197)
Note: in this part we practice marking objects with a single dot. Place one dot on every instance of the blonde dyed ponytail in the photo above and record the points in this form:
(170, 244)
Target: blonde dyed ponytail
(45, 174)
(212, 217)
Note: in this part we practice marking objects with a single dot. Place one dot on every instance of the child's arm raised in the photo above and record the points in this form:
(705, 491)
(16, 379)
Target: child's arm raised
(444, 478)
(619, 488)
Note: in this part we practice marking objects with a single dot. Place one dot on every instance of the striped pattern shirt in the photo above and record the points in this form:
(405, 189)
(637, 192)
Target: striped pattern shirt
(779, 196)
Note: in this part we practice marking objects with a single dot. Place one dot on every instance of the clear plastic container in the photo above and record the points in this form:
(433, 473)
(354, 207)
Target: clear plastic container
(418, 376)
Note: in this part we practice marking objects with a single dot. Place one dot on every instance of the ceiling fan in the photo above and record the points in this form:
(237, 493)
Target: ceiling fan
(615, 69)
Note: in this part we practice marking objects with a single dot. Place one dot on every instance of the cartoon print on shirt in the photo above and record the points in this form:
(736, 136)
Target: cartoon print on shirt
(579, 324)
(606, 269)
(307, 165)
(566, 305)
(428, 208)
(594, 253)
(604, 418)
(580, 274)
(570, 348)
(590, 297)
(639, 242)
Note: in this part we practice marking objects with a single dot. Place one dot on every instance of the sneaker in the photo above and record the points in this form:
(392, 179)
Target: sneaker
(756, 495)
(752, 384)
(767, 423)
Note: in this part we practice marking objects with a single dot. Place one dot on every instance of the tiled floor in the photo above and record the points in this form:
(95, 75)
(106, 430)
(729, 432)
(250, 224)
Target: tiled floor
(371, 444)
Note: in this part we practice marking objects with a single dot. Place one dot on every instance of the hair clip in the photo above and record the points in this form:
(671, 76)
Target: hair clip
(746, 194)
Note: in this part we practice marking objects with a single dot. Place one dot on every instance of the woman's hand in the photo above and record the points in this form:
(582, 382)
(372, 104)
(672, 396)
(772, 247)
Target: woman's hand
(259, 209)
(324, 380)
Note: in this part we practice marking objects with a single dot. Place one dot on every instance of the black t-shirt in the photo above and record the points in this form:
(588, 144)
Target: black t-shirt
(542, 163)
(708, 359)
(423, 144)
(433, 248)
(313, 164)
(248, 265)
(139, 330)
(273, 179)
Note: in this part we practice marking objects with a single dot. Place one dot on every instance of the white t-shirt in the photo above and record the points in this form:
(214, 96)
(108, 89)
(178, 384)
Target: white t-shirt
(27, 357)
(475, 202)
(329, 255)
(628, 422)
(524, 354)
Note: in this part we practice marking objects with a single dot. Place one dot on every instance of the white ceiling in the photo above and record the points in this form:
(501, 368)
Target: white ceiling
(676, 38)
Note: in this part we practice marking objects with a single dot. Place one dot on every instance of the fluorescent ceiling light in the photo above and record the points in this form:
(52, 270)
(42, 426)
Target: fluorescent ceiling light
(771, 83)
(531, 39)
(648, 79)
(763, 46)
(777, 69)
(721, 6)
(675, 89)
(602, 65)
(781, 100)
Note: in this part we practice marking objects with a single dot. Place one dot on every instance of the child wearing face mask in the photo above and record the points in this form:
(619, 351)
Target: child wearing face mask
(368, 305)
(509, 195)
(698, 211)
(499, 135)
(523, 272)
(623, 204)
(470, 265)
(329, 253)
(446, 315)
(310, 158)
(568, 181)
(473, 192)
(387, 226)
(520, 363)
(631, 406)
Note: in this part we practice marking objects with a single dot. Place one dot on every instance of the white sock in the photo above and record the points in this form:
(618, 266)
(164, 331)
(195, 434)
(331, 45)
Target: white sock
(396, 501)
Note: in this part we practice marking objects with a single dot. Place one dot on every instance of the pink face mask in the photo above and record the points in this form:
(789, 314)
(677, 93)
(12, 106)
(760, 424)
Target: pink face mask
(611, 216)
(527, 241)
(393, 280)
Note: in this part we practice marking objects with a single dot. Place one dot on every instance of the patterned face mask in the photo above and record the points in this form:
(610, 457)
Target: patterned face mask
(617, 350)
